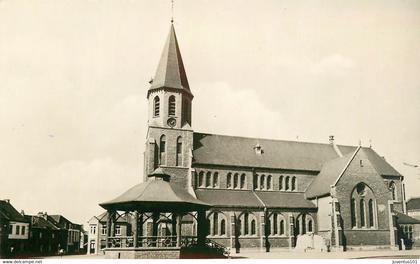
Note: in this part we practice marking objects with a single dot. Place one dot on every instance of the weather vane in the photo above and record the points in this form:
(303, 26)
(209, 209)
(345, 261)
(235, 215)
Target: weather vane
(172, 11)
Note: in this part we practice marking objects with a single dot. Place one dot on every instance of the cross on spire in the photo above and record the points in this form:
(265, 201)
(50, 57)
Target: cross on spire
(172, 11)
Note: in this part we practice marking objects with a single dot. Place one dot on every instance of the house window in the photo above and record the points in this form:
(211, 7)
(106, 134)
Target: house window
(293, 183)
(17, 230)
(156, 106)
(171, 109)
(23, 230)
(215, 179)
(117, 230)
(393, 190)
(40, 234)
(103, 230)
(281, 182)
(10, 229)
(223, 227)
(162, 148)
(208, 179)
(53, 235)
(235, 180)
(229, 180)
(179, 152)
(262, 182)
(93, 230)
(243, 181)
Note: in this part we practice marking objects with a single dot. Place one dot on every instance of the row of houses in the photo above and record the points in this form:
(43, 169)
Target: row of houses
(23, 235)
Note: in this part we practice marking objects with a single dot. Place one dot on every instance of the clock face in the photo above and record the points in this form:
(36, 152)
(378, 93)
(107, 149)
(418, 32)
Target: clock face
(171, 122)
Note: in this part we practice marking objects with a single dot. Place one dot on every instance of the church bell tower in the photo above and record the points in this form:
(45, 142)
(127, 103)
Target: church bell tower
(169, 136)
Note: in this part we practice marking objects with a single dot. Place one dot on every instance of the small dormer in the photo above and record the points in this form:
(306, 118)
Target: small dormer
(258, 149)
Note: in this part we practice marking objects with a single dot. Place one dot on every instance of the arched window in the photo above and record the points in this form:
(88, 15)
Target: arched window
(255, 181)
(269, 182)
(309, 225)
(171, 108)
(275, 227)
(243, 180)
(208, 179)
(253, 227)
(287, 183)
(229, 180)
(179, 151)
(215, 179)
(362, 212)
(282, 227)
(353, 212)
(156, 106)
(215, 223)
(222, 227)
(262, 182)
(393, 190)
(235, 181)
(281, 182)
(162, 150)
(293, 183)
(246, 224)
(201, 179)
(371, 213)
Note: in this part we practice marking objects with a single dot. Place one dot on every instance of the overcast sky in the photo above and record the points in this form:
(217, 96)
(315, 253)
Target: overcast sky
(74, 76)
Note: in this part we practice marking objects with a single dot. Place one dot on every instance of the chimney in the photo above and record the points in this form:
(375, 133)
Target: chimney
(22, 212)
(43, 215)
(331, 139)
(7, 200)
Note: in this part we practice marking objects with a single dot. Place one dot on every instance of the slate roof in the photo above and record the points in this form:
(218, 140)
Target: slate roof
(10, 213)
(104, 217)
(330, 172)
(155, 193)
(275, 199)
(405, 219)
(40, 222)
(413, 204)
(229, 198)
(171, 72)
(279, 154)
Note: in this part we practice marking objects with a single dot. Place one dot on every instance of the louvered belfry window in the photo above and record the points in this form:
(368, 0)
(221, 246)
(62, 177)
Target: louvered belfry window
(171, 109)
(156, 106)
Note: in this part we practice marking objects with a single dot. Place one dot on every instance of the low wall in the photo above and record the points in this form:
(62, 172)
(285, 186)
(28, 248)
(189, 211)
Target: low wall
(142, 253)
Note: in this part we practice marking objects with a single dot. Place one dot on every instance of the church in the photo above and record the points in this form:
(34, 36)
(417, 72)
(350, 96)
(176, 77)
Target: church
(264, 193)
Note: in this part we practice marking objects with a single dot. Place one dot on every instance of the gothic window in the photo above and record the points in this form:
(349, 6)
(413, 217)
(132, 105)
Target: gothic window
(235, 181)
(255, 181)
(215, 179)
(162, 150)
(208, 179)
(275, 231)
(262, 182)
(282, 227)
(229, 180)
(310, 225)
(201, 179)
(156, 106)
(253, 227)
(287, 183)
(179, 151)
(281, 182)
(246, 224)
(269, 182)
(293, 183)
(243, 180)
(393, 190)
(353, 212)
(171, 109)
(215, 223)
(370, 210)
(362, 212)
(222, 227)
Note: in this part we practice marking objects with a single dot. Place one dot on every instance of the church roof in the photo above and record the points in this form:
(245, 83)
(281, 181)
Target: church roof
(229, 198)
(405, 219)
(253, 199)
(214, 149)
(170, 72)
(413, 203)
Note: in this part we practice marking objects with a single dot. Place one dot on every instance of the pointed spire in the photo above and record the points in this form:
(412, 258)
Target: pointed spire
(171, 72)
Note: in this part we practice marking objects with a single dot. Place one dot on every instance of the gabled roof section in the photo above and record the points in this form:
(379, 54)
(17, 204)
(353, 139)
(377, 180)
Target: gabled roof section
(413, 204)
(229, 198)
(276, 199)
(40, 222)
(380, 164)
(278, 154)
(329, 175)
(10, 213)
(405, 219)
(171, 72)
